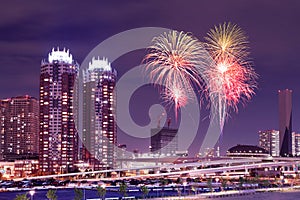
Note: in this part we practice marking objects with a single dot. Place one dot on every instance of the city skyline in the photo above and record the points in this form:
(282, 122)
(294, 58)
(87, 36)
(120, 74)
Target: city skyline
(272, 47)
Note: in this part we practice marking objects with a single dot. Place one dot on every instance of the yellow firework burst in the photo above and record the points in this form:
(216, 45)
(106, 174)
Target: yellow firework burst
(227, 40)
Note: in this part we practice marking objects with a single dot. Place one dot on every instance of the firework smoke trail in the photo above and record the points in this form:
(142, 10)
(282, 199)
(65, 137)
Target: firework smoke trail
(175, 62)
(232, 80)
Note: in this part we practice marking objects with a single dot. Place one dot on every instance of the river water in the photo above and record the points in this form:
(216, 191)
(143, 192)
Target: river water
(290, 195)
(68, 194)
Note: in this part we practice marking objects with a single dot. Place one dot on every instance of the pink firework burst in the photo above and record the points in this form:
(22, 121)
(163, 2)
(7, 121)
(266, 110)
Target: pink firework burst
(231, 78)
(232, 82)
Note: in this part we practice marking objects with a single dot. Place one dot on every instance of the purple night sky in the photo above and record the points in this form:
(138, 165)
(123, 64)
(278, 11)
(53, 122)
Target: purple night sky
(29, 30)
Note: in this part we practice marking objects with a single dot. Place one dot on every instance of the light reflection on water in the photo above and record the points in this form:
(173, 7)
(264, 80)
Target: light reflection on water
(293, 195)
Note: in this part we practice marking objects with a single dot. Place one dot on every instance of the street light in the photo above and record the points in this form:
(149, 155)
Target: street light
(31, 192)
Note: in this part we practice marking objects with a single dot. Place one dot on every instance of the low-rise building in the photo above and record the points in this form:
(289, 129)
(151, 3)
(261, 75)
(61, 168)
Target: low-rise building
(24, 168)
(247, 151)
(7, 169)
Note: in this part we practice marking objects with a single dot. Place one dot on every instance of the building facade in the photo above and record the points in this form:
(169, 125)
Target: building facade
(296, 144)
(25, 168)
(99, 136)
(58, 136)
(3, 110)
(269, 140)
(19, 127)
(285, 122)
(164, 141)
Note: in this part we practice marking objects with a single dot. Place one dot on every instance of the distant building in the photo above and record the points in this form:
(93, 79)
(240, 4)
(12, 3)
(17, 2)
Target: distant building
(296, 143)
(58, 136)
(164, 141)
(3, 110)
(123, 156)
(121, 151)
(99, 134)
(247, 151)
(285, 122)
(19, 127)
(269, 140)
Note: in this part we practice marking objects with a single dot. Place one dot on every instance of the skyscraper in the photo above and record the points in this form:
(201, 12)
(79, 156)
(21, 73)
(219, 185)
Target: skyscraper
(269, 140)
(58, 136)
(19, 127)
(99, 110)
(285, 122)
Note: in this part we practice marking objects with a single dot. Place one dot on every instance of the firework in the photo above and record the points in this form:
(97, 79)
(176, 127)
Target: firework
(176, 96)
(232, 82)
(227, 41)
(231, 79)
(175, 61)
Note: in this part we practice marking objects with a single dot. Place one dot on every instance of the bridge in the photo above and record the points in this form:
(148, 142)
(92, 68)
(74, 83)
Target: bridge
(202, 167)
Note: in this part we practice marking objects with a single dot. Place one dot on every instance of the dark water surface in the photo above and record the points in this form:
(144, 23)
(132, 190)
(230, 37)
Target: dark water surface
(293, 195)
(68, 194)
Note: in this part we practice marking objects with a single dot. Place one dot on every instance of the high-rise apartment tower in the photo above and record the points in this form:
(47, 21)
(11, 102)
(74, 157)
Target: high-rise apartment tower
(99, 114)
(58, 136)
